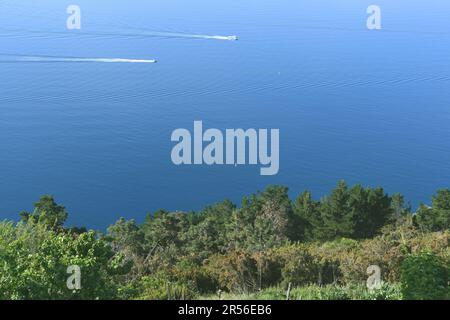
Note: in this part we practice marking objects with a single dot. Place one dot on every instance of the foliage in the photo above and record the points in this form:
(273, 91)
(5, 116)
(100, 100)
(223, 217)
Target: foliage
(321, 247)
(35, 261)
(46, 212)
(436, 217)
(347, 292)
(353, 212)
(159, 287)
(236, 271)
(316, 292)
(425, 277)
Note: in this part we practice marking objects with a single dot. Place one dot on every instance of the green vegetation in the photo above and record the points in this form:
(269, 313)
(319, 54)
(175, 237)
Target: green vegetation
(320, 249)
(425, 276)
(315, 292)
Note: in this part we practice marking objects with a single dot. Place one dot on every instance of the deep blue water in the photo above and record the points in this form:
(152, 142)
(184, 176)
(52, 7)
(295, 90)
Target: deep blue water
(370, 107)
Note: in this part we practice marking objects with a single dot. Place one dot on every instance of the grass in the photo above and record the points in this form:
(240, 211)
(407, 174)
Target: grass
(314, 292)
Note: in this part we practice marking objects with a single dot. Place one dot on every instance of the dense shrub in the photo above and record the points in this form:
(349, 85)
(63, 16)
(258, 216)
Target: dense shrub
(295, 264)
(159, 287)
(321, 248)
(425, 277)
(34, 262)
(346, 261)
(236, 271)
(187, 271)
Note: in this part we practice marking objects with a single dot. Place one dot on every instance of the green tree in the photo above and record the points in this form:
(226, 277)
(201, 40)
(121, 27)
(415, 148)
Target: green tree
(437, 217)
(350, 213)
(272, 219)
(35, 261)
(164, 228)
(400, 209)
(372, 210)
(262, 221)
(126, 238)
(47, 212)
(163, 239)
(207, 235)
(337, 215)
(307, 221)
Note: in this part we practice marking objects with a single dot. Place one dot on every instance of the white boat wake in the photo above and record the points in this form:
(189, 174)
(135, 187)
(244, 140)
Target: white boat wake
(229, 38)
(20, 58)
(187, 35)
(142, 33)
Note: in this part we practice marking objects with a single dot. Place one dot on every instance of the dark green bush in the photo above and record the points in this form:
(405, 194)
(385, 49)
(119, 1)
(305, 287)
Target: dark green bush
(424, 277)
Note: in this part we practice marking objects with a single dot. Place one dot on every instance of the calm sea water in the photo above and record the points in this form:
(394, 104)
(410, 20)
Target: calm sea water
(370, 107)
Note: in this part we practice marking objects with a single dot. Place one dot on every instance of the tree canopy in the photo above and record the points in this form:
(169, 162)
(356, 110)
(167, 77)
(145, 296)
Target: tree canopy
(268, 240)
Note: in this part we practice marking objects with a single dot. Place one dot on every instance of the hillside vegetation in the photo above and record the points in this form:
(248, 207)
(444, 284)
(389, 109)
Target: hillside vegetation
(320, 249)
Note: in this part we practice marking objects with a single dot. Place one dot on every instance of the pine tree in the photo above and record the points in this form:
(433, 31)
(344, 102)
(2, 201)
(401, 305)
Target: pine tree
(338, 218)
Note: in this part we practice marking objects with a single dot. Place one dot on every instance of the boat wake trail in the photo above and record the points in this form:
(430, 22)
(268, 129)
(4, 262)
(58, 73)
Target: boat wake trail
(145, 33)
(134, 33)
(23, 58)
(229, 38)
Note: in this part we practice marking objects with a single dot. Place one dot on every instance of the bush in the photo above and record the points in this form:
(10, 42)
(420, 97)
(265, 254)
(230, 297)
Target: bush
(314, 292)
(348, 292)
(425, 277)
(274, 293)
(159, 287)
(294, 264)
(386, 292)
(187, 271)
(34, 262)
(235, 271)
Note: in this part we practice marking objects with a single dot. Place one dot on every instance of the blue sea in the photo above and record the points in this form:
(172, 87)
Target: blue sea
(368, 106)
